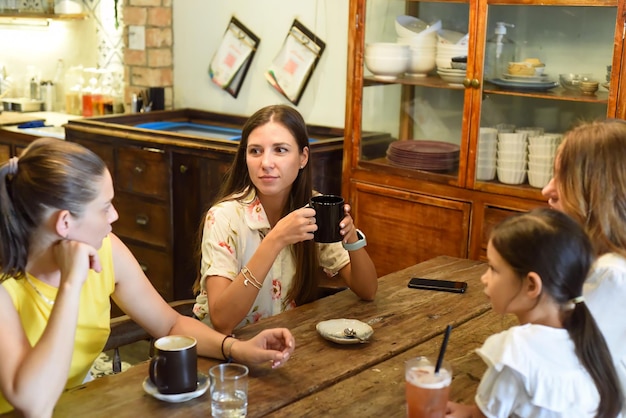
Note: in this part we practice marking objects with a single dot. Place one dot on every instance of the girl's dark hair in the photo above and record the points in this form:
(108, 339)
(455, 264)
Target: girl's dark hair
(556, 248)
(305, 284)
(51, 174)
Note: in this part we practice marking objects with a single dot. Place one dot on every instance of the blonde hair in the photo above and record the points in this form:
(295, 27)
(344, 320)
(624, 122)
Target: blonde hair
(591, 179)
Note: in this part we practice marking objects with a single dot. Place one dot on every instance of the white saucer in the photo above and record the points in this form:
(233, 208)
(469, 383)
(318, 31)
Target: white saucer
(333, 330)
(203, 385)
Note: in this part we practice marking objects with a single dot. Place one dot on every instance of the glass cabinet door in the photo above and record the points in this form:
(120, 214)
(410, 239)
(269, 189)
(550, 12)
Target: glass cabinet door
(549, 70)
(553, 68)
(411, 118)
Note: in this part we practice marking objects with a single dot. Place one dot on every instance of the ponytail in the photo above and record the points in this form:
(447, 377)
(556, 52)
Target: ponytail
(13, 234)
(594, 354)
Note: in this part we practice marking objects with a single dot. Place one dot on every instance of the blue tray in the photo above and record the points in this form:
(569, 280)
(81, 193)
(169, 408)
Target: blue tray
(210, 131)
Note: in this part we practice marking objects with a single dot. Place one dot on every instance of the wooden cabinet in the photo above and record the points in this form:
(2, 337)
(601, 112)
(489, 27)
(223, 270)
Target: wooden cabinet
(165, 181)
(13, 143)
(423, 212)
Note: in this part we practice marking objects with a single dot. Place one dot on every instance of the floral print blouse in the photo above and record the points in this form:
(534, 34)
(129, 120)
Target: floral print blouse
(233, 231)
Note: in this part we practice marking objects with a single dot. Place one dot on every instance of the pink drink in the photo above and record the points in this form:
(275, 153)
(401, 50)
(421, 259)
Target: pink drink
(426, 393)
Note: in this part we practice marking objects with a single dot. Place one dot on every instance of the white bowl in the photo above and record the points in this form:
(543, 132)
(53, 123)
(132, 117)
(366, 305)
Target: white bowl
(420, 64)
(508, 176)
(511, 147)
(538, 178)
(513, 155)
(547, 139)
(542, 149)
(386, 48)
(447, 36)
(485, 172)
(452, 78)
(409, 25)
(419, 42)
(541, 167)
(511, 164)
(517, 137)
(387, 68)
(541, 159)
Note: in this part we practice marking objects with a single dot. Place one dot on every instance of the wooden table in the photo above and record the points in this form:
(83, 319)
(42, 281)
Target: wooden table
(406, 323)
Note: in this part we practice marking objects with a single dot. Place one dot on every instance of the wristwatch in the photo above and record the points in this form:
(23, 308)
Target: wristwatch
(358, 244)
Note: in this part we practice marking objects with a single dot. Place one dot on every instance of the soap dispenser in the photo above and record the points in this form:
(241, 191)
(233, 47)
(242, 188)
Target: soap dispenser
(499, 52)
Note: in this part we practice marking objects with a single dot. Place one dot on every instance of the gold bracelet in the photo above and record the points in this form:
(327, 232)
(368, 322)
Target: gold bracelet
(252, 280)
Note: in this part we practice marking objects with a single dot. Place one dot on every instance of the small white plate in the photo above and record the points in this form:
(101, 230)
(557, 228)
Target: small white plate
(333, 330)
(203, 385)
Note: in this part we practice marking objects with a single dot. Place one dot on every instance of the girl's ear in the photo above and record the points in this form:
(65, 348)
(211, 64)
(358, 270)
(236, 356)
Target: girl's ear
(533, 285)
(62, 220)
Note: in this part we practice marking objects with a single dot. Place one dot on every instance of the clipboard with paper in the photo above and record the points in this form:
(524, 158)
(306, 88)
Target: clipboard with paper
(293, 67)
(231, 61)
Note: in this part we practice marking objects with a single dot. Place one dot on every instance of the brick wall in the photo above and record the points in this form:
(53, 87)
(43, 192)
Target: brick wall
(154, 66)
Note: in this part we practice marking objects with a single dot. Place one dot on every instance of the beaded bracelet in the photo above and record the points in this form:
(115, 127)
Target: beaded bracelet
(252, 280)
(222, 348)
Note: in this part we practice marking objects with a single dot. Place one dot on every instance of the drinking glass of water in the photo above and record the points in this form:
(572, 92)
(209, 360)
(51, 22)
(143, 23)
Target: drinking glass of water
(229, 390)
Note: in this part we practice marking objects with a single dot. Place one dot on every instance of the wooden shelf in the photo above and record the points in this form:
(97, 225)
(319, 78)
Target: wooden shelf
(42, 16)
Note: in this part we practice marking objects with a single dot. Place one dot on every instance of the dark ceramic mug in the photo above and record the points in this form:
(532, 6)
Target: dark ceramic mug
(328, 215)
(174, 367)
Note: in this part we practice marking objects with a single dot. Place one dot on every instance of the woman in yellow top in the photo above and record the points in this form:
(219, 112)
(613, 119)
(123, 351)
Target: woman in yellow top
(60, 263)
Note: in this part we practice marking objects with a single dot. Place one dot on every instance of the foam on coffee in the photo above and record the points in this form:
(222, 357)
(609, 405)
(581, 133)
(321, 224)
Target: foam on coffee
(174, 343)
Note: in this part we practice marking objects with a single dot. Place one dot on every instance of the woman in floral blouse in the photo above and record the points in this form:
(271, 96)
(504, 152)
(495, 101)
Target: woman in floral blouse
(258, 254)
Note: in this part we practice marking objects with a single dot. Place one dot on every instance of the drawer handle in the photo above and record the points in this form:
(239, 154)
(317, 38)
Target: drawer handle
(149, 149)
(143, 267)
(138, 169)
(142, 220)
(183, 169)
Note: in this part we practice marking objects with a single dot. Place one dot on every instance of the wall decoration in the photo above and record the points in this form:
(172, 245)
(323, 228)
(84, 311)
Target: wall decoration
(232, 60)
(293, 67)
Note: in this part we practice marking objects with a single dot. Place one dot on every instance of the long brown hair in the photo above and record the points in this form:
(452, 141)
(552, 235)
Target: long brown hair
(555, 247)
(591, 181)
(51, 174)
(305, 284)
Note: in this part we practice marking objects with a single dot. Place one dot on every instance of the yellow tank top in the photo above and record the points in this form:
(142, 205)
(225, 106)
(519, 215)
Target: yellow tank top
(94, 315)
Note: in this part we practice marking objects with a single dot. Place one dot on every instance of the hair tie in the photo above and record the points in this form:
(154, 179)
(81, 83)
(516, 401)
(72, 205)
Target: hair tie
(13, 166)
(576, 300)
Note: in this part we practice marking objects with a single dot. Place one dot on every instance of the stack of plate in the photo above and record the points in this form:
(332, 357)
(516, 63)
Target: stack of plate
(424, 155)
(525, 82)
(452, 75)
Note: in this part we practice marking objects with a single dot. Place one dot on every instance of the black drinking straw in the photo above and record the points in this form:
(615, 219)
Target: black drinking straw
(442, 350)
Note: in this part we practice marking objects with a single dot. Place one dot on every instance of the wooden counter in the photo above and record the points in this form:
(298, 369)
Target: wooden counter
(406, 322)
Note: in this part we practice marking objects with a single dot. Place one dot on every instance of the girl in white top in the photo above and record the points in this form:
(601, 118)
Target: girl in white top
(258, 254)
(589, 184)
(556, 363)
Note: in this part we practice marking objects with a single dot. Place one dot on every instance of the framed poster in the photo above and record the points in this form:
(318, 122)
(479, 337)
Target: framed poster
(231, 61)
(293, 67)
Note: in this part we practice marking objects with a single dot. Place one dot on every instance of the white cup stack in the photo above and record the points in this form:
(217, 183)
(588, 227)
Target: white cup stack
(511, 157)
(487, 151)
(541, 153)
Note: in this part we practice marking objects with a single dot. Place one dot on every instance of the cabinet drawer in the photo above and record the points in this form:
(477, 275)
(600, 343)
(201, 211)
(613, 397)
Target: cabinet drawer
(5, 153)
(404, 228)
(103, 151)
(142, 221)
(144, 171)
(493, 216)
(157, 265)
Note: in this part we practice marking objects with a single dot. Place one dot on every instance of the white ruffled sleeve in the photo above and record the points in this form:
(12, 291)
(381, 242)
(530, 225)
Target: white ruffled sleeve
(533, 371)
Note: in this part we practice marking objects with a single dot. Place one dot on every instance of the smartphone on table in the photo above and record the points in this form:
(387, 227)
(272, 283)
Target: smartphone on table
(437, 284)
